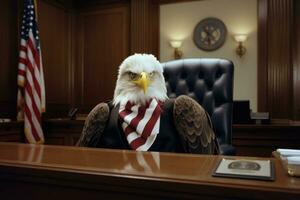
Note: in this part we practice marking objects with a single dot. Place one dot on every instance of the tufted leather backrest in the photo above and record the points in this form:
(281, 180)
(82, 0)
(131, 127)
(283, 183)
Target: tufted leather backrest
(208, 81)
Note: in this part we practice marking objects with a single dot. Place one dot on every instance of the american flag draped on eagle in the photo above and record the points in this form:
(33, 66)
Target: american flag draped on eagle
(142, 117)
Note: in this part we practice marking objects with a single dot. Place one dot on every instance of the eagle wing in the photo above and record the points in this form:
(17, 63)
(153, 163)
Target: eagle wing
(94, 125)
(194, 125)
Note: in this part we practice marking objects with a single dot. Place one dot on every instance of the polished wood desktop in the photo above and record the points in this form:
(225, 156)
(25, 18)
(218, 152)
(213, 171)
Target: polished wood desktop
(57, 172)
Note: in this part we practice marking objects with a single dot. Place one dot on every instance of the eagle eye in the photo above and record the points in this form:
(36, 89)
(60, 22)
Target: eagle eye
(133, 76)
(151, 74)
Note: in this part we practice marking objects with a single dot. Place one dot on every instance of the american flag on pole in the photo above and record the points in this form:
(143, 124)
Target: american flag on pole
(31, 92)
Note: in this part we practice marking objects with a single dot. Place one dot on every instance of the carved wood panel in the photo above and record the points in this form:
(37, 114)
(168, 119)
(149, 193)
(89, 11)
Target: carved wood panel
(262, 69)
(144, 26)
(296, 59)
(8, 60)
(55, 33)
(103, 44)
(275, 80)
(279, 54)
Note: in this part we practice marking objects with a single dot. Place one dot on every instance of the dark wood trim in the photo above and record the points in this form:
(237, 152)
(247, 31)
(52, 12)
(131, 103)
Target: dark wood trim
(262, 52)
(83, 4)
(262, 140)
(72, 34)
(144, 27)
(275, 71)
(100, 51)
(248, 139)
(12, 132)
(139, 11)
(174, 1)
(9, 57)
(61, 4)
(296, 60)
(79, 71)
(279, 59)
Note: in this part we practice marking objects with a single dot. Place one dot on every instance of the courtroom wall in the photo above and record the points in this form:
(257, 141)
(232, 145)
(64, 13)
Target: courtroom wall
(80, 55)
(82, 45)
(177, 22)
(8, 57)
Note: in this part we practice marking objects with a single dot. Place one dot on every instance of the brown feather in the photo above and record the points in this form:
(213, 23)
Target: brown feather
(194, 125)
(94, 125)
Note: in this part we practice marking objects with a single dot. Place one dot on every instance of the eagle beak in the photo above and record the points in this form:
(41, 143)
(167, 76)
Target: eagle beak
(143, 82)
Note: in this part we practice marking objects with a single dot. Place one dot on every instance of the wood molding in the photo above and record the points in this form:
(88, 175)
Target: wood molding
(248, 139)
(72, 37)
(262, 52)
(103, 44)
(61, 4)
(279, 58)
(296, 60)
(262, 140)
(91, 4)
(56, 60)
(9, 41)
(144, 27)
(175, 1)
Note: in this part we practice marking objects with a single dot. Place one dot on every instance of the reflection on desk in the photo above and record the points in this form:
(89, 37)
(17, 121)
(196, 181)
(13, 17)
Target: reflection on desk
(71, 172)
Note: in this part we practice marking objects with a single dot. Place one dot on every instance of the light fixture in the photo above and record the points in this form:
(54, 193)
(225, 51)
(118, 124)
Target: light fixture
(176, 44)
(241, 49)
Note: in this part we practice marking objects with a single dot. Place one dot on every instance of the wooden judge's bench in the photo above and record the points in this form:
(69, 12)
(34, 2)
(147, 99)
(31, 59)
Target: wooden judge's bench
(64, 172)
(248, 139)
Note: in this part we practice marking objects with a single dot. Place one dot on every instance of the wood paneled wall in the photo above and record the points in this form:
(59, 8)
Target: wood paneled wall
(296, 59)
(279, 58)
(144, 26)
(83, 43)
(103, 44)
(275, 59)
(262, 61)
(56, 43)
(82, 49)
(8, 58)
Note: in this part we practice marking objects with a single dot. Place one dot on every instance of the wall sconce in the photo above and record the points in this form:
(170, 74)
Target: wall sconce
(176, 44)
(241, 49)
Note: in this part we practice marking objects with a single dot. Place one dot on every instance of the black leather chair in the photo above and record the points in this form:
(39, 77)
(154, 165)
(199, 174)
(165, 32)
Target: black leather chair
(210, 82)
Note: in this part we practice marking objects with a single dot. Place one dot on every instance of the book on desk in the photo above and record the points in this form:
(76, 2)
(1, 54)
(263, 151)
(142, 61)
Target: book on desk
(290, 160)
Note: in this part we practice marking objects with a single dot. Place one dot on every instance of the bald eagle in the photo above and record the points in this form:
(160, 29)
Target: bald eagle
(142, 117)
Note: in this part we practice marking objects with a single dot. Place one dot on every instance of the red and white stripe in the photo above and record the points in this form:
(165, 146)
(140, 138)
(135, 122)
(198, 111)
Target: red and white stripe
(31, 81)
(140, 124)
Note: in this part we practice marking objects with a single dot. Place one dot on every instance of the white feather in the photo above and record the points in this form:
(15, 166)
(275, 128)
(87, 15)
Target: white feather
(128, 91)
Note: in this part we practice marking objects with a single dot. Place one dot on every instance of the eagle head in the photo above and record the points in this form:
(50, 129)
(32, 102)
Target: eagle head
(140, 79)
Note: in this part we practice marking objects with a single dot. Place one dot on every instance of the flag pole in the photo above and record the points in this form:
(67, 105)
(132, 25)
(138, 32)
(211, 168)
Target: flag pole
(35, 8)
